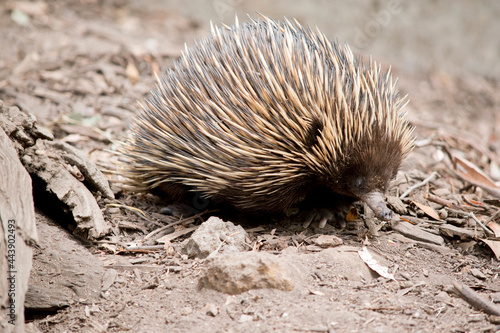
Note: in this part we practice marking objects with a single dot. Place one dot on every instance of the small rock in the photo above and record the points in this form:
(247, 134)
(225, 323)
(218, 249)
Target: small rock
(245, 318)
(344, 261)
(236, 273)
(477, 273)
(187, 310)
(108, 279)
(43, 299)
(213, 235)
(444, 297)
(328, 241)
(443, 213)
(210, 309)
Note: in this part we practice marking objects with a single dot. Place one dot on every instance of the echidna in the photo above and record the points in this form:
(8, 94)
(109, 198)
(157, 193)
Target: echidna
(269, 115)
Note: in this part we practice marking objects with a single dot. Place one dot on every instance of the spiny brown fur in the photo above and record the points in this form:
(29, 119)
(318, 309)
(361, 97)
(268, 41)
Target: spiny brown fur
(260, 114)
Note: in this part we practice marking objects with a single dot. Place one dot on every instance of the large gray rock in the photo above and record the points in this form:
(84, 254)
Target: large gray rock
(239, 272)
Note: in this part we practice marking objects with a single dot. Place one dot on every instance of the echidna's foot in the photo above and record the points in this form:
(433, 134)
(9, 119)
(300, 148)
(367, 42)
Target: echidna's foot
(322, 205)
(323, 216)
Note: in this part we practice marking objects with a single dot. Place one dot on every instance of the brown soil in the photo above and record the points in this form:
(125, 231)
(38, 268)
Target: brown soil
(81, 66)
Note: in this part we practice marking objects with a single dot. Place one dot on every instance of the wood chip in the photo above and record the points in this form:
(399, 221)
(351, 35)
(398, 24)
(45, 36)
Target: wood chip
(477, 273)
(452, 231)
(416, 233)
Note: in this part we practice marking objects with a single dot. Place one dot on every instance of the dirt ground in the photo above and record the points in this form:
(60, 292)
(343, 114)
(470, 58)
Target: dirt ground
(80, 67)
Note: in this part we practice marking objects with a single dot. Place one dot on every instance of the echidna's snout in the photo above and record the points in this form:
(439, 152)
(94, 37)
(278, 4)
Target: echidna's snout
(375, 200)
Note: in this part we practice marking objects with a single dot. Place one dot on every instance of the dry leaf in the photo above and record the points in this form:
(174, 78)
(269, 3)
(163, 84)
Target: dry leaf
(109, 248)
(474, 202)
(495, 227)
(472, 174)
(494, 246)
(315, 292)
(256, 229)
(373, 264)
(428, 210)
(352, 215)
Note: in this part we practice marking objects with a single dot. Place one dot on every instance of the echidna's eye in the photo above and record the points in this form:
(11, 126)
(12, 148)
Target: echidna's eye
(359, 183)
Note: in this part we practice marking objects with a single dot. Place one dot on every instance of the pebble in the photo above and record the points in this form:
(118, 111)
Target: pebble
(215, 235)
(187, 310)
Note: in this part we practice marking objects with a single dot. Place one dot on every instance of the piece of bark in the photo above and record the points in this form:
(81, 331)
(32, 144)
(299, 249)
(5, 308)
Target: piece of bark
(416, 233)
(477, 301)
(17, 235)
(21, 128)
(464, 234)
(92, 174)
(46, 164)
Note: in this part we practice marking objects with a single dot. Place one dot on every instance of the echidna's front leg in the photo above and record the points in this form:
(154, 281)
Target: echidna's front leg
(323, 215)
(323, 205)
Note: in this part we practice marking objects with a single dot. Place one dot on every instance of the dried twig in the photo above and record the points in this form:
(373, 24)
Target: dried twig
(473, 216)
(134, 248)
(425, 181)
(476, 300)
(492, 217)
(140, 213)
(441, 201)
(132, 209)
(155, 232)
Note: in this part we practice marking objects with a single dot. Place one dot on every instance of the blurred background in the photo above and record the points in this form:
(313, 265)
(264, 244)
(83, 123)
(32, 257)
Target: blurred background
(459, 37)
(78, 63)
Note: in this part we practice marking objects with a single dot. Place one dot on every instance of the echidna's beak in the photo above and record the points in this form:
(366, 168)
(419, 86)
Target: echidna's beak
(375, 200)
